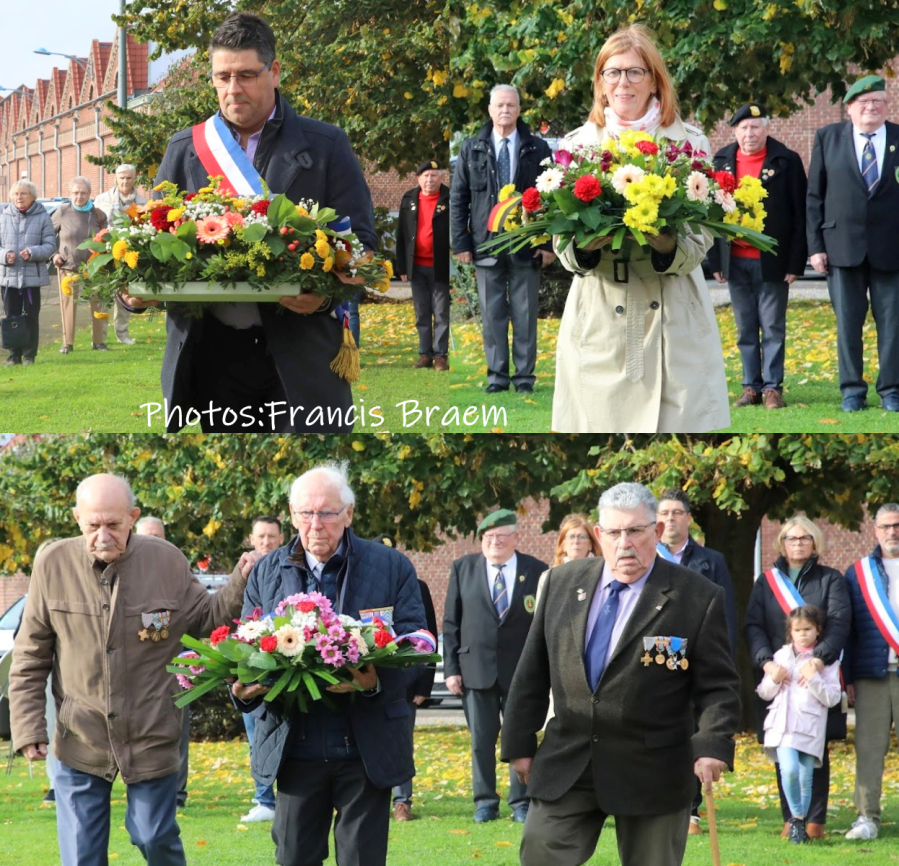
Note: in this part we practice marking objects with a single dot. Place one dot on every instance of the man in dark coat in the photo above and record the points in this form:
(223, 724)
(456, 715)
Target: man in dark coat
(345, 760)
(489, 608)
(503, 152)
(422, 253)
(853, 218)
(760, 282)
(249, 355)
(646, 697)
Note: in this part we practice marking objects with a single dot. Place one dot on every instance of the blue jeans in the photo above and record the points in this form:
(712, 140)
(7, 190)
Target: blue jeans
(796, 774)
(82, 819)
(265, 794)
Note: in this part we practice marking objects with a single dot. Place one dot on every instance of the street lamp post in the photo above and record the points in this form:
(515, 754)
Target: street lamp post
(123, 61)
(77, 60)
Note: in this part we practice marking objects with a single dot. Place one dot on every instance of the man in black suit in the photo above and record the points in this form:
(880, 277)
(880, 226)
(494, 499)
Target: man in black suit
(636, 653)
(246, 354)
(760, 282)
(489, 608)
(853, 219)
(422, 255)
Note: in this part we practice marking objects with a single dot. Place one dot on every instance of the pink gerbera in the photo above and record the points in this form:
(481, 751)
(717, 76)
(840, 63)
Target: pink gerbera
(233, 219)
(212, 229)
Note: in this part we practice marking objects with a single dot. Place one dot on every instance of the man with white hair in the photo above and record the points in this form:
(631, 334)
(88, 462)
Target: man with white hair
(105, 612)
(346, 760)
(636, 652)
(119, 198)
(150, 526)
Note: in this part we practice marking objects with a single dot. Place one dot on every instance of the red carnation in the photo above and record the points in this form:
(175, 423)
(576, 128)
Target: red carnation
(261, 207)
(190, 196)
(725, 180)
(220, 634)
(647, 147)
(159, 217)
(382, 638)
(530, 200)
(268, 644)
(587, 188)
(306, 606)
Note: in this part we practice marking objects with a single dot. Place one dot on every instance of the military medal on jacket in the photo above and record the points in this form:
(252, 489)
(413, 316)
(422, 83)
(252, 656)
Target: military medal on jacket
(156, 625)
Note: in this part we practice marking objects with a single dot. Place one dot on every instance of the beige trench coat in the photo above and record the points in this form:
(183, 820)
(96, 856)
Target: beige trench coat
(642, 356)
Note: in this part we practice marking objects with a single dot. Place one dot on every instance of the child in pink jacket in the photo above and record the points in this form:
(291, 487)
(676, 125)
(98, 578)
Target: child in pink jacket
(797, 718)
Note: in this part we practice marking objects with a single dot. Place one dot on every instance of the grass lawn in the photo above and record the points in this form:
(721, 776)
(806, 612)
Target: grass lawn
(748, 817)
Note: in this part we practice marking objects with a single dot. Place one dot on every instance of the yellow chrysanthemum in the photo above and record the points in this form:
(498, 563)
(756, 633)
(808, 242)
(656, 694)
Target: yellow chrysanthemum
(669, 186)
(506, 192)
(238, 203)
(323, 248)
(320, 235)
(307, 261)
(642, 217)
(388, 266)
(327, 264)
(131, 259)
(119, 248)
(629, 138)
(68, 284)
(731, 218)
(301, 211)
(101, 315)
(175, 214)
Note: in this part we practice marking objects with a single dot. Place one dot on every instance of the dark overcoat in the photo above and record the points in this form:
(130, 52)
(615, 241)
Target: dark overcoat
(407, 229)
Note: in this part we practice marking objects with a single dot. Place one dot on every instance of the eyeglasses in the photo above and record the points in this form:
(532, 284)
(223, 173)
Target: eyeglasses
(572, 537)
(326, 517)
(873, 103)
(630, 532)
(635, 74)
(675, 512)
(798, 539)
(221, 80)
(497, 537)
(888, 527)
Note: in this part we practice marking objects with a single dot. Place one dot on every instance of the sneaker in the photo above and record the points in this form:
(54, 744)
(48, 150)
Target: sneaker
(749, 397)
(402, 811)
(127, 341)
(797, 831)
(773, 399)
(258, 814)
(12, 361)
(27, 362)
(695, 828)
(863, 828)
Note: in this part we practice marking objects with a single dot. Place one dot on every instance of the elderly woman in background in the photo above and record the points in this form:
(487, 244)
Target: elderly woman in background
(75, 222)
(799, 578)
(638, 333)
(26, 244)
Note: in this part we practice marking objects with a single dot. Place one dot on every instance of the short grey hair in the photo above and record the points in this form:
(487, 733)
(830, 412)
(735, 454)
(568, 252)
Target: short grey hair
(505, 88)
(80, 178)
(126, 166)
(888, 508)
(148, 521)
(127, 487)
(335, 473)
(629, 496)
(26, 185)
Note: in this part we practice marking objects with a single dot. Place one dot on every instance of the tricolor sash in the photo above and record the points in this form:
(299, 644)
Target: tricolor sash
(872, 586)
(222, 156)
(784, 590)
(420, 638)
(665, 553)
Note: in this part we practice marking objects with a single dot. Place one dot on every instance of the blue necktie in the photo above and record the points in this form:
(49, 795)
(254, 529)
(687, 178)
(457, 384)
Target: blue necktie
(598, 645)
(500, 598)
(504, 164)
(869, 163)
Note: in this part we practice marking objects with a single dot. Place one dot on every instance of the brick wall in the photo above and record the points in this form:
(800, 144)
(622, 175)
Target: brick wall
(11, 588)
(388, 187)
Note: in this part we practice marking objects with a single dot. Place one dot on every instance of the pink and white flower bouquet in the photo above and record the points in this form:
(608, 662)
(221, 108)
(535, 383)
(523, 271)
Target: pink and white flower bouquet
(295, 649)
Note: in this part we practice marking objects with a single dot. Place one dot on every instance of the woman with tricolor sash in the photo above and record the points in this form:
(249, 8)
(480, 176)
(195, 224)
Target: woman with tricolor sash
(798, 578)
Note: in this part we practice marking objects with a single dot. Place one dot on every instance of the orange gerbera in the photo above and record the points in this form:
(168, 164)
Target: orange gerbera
(212, 229)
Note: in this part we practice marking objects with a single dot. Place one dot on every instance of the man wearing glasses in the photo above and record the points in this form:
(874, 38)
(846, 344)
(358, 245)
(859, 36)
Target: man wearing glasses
(347, 759)
(646, 696)
(246, 354)
(489, 608)
(870, 665)
(853, 218)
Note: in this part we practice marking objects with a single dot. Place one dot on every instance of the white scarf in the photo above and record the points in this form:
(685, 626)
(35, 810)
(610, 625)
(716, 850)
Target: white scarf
(648, 123)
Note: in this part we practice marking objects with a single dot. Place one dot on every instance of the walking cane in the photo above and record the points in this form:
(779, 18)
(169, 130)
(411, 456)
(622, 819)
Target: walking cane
(713, 826)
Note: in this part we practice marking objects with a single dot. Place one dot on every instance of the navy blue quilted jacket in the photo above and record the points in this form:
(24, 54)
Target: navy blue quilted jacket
(373, 577)
(867, 652)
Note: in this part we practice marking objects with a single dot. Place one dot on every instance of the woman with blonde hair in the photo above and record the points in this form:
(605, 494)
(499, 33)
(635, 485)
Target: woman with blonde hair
(638, 333)
(576, 540)
(798, 578)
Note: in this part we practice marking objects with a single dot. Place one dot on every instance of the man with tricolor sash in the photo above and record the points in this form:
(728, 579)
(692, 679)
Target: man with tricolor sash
(243, 355)
(870, 665)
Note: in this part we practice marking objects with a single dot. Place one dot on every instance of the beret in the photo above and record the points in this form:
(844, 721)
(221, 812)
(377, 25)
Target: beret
(429, 165)
(751, 109)
(503, 517)
(868, 84)
(386, 540)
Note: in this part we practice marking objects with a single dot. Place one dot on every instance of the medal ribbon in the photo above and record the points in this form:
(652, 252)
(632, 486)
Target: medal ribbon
(874, 592)
(222, 156)
(784, 590)
(665, 553)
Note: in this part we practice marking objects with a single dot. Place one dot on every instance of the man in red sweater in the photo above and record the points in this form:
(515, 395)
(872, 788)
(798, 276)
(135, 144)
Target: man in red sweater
(422, 253)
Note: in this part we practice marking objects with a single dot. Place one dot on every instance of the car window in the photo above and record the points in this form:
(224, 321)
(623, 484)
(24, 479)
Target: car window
(10, 620)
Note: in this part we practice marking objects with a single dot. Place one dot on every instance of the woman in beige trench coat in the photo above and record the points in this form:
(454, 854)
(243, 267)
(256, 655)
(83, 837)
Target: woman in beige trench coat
(638, 349)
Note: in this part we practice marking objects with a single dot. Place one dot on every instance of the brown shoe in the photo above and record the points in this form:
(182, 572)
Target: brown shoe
(773, 399)
(785, 834)
(402, 812)
(749, 397)
(695, 828)
(815, 831)
(441, 364)
(423, 361)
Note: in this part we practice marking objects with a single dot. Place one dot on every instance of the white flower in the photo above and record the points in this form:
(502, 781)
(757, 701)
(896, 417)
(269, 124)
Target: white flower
(550, 180)
(251, 630)
(625, 176)
(304, 620)
(356, 635)
(290, 640)
(698, 187)
(726, 200)
(348, 622)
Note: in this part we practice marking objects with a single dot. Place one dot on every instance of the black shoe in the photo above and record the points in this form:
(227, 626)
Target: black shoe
(67, 349)
(100, 347)
(483, 814)
(27, 362)
(854, 404)
(50, 796)
(496, 389)
(890, 402)
(520, 813)
(797, 831)
(13, 361)
(525, 388)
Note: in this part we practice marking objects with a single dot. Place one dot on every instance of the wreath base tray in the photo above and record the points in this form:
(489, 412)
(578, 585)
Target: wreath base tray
(210, 293)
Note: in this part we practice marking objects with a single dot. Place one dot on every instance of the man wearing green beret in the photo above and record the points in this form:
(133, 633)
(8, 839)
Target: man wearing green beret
(853, 220)
(489, 608)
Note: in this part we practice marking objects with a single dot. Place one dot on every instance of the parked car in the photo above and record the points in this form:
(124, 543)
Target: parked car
(440, 695)
(9, 623)
(51, 204)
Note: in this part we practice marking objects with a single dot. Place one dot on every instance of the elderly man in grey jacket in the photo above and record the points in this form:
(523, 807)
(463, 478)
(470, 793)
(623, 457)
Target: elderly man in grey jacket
(27, 241)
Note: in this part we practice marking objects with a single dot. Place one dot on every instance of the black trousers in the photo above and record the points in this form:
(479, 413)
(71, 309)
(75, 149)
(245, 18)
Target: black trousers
(817, 811)
(309, 795)
(27, 301)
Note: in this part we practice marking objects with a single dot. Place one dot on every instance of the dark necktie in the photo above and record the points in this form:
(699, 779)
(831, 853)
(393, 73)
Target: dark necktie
(869, 163)
(500, 598)
(504, 164)
(598, 645)
(327, 580)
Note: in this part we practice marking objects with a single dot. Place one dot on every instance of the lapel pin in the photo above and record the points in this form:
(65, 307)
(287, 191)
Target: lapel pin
(658, 607)
(892, 148)
(521, 578)
(581, 595)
